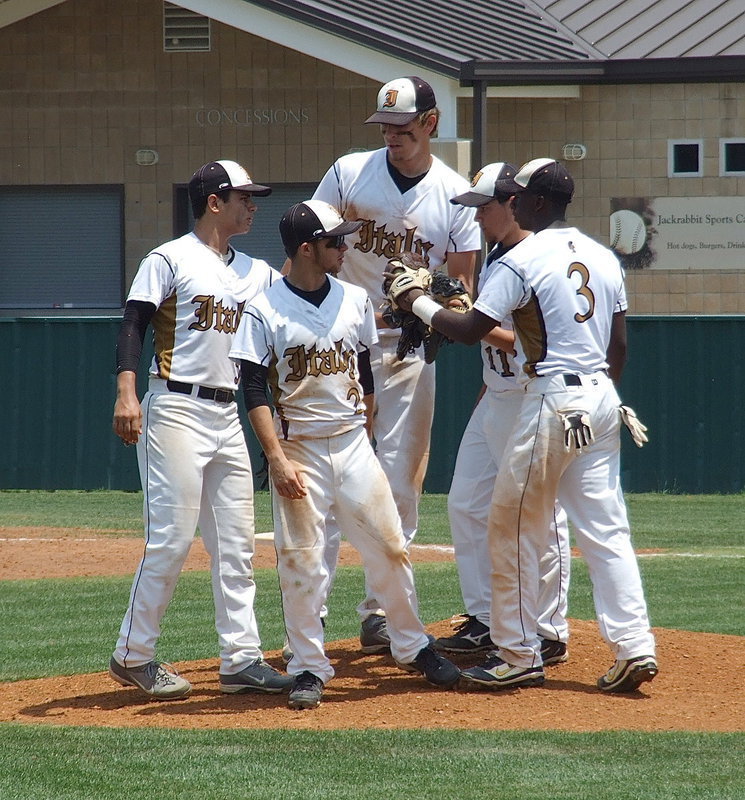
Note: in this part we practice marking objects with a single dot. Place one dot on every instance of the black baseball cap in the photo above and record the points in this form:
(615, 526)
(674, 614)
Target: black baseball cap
(493, 180)
(402, 99)
(546, 176)
(311, 220)
(217, 176)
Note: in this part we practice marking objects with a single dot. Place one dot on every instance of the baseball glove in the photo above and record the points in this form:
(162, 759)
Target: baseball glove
(450, 293)
(405, 271)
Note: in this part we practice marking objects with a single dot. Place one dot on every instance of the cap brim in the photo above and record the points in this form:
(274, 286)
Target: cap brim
(393, 117)
(471, 199)
(345, 228)
(254, 188)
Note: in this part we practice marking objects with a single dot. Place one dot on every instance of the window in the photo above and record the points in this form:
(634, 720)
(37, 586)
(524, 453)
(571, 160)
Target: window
(732, 157)
(685, 158)
(61, 247)
(184, 31)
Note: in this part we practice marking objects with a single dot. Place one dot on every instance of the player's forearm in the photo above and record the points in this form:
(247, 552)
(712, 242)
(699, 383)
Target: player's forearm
(462, 266)
(617, 348)
(261, 421)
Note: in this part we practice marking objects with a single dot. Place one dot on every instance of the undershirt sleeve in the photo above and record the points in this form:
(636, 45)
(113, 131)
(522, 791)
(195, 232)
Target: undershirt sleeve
(137, 316)
(254, 377)
(365, 370)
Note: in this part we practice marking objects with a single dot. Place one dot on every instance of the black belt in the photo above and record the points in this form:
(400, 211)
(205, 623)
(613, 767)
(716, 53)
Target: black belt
(203, 392)
(572, 380)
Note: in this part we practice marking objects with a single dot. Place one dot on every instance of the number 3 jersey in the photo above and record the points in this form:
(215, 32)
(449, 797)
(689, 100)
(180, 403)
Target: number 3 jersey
(311, 353)
(199, 300)
(562, 289)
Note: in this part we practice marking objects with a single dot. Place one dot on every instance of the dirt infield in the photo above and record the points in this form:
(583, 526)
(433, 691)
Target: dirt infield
(694, 690)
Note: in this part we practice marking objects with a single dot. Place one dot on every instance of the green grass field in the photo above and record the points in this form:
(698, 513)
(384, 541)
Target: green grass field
(695, 584)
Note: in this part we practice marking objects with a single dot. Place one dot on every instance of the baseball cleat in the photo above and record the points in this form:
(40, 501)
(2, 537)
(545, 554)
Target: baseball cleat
(553, 652)
(157, 679)
(374, 636)
(306, 691)
(471, 636)
(436, 669)
(625, 676)
(256, 677)
(497, 674)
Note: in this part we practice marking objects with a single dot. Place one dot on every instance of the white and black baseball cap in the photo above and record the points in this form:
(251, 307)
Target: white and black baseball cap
(217, 176)
(491, 181)
(311, 220)
(546, 176)
(402, 99)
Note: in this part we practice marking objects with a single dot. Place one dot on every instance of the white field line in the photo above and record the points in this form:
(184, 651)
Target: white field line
(436, 548)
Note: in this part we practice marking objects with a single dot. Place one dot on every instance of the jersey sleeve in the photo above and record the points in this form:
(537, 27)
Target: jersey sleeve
(329, 189)
(465, 234)
(154, 281)
(369, 332)
(504, 290)
(251, 341)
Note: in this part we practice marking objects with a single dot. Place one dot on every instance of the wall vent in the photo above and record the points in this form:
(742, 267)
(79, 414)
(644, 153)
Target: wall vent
(184, 31)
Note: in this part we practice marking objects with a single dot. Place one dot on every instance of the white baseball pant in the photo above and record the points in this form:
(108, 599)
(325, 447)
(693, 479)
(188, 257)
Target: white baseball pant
(480, 453)
(344, 478)
(537, 468)
(194, 469)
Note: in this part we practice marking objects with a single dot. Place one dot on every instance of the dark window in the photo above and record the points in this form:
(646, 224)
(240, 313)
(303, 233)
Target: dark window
(734, 157)
(686, 158)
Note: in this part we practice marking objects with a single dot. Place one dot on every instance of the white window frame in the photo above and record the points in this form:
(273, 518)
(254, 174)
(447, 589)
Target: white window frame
(723, 171)
(671, 173)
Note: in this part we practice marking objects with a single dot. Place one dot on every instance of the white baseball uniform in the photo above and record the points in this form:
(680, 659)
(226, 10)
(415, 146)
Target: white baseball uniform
(311, 353)
(479, 455)
(562, 289)
(421, 220)
(192, 454)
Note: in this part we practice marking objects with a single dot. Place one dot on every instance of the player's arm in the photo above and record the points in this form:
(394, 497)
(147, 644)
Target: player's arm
(127, 422)
(497, 337)
(285, 474)
(617, 347)
(462, 266)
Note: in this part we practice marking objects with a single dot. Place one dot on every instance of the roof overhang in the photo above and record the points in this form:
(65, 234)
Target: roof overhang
(654, 70)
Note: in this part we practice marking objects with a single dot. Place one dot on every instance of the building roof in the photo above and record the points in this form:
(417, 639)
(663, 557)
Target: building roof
(450, 36)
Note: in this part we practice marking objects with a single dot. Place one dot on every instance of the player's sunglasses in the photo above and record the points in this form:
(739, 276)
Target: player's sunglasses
(333, 242)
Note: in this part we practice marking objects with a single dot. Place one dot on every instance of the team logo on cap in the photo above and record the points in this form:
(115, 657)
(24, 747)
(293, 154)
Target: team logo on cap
(391, 98)
(476, 178)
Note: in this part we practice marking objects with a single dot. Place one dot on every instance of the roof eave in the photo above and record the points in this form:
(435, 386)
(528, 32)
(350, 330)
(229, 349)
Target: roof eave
(653, 70)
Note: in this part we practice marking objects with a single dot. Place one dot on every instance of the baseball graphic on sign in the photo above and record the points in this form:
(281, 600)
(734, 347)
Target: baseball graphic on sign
(628, 233)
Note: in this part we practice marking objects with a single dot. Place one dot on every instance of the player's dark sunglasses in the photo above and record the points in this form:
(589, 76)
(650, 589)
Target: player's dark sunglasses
(333, 242)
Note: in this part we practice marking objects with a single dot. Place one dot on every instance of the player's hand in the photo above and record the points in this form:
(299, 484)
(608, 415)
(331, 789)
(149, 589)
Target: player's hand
(127, 422)
(287, 477)
(404, 300)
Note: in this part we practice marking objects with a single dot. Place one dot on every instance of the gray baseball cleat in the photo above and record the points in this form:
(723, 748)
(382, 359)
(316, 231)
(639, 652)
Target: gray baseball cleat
(256, 677)
(157, 679)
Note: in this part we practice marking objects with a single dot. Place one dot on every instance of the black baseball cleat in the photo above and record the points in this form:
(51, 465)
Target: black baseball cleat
(374, 636)
(471, 636)
(436, 669)
(496, 674)
(625, 676)
(553, 652)
(306, 691)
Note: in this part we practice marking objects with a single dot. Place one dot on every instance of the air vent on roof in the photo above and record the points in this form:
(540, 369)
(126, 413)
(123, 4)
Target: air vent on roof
(184, 31)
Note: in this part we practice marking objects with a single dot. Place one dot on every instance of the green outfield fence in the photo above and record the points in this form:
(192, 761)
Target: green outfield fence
(684, 378)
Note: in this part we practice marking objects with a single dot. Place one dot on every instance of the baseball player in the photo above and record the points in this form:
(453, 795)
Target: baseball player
(309, 336)
(565, 294)
(401, 195)
(191, 450)
(481, 450)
